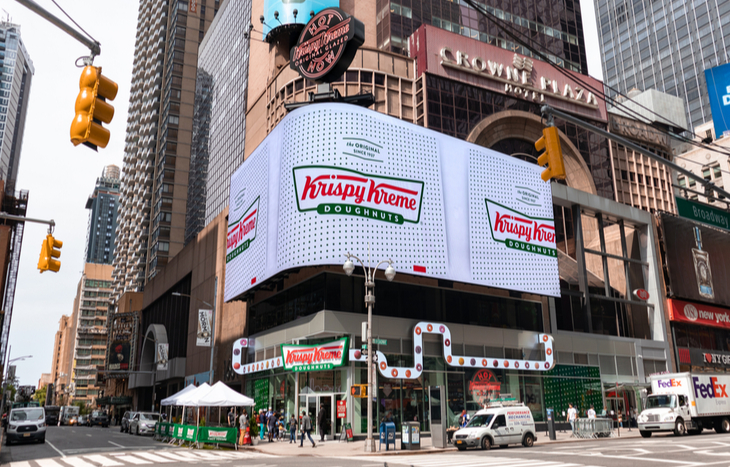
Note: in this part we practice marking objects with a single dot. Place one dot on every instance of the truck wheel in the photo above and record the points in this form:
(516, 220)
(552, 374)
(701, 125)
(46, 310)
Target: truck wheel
(528, 441)
(645, 434)
(486, 444)
(723, 426)
(679, 428)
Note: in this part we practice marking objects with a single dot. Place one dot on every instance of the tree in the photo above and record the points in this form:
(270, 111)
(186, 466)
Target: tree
(40, 395)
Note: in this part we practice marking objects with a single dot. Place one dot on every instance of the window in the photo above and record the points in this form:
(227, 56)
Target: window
(706, 173)
(716, 172)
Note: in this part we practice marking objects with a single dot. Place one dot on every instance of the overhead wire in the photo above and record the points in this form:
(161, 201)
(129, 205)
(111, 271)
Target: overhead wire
(74, 21)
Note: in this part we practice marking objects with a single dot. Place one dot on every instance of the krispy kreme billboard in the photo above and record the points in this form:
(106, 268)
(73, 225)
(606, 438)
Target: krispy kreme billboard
(333, 178)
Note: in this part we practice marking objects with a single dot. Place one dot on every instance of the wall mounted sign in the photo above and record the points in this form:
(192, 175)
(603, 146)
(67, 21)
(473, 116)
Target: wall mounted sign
(641, 294)
(205, 317)
(718, 89)
(315, 357)
(704, 213)
(327, 45)
(163, 351)
(698, 313)
(449, 209)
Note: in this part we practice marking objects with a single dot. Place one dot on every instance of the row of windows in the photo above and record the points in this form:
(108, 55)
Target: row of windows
(95, 284)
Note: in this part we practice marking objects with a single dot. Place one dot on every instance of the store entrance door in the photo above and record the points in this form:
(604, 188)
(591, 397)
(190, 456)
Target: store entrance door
(313, 403)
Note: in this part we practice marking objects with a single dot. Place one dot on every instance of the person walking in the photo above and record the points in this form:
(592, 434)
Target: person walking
(271, 422)
(293, 429)
(463, 419)
(262, 424)
(243, 424)
(306, 428)
(572, 417)
(231, 418)
(322, 423)
(591, 413)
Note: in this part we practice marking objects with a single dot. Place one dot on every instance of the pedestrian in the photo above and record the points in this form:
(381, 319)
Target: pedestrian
(243, 424)
(591, 413)
(271, 422)
(572, 417)
(231, 417)
(463, 419)
(322, 423)
(306, 428)
(262, 424)
(293, 429)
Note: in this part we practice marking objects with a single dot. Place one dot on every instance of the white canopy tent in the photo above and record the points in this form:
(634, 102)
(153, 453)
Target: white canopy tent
(191, 398)
(220, 395)
(172, 400)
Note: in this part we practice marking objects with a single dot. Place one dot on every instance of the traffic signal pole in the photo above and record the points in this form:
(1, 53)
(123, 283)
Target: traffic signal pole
(94, 46)
(549, 112)
(51, 224)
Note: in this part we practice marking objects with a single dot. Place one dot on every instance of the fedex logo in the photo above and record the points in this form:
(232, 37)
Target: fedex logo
(669, 383)
(711, 390)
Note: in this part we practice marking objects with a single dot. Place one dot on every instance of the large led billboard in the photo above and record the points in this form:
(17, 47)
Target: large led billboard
(285, 10)
(337, 178)
(718, 89)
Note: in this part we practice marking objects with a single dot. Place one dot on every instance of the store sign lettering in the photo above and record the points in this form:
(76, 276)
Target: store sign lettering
(517, 78)
(320, 357)
(242, 232)
(333, 190)
(521, 232)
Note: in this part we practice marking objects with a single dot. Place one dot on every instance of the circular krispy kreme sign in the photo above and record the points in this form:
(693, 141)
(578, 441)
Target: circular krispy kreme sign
(327, 45)
(690, 312)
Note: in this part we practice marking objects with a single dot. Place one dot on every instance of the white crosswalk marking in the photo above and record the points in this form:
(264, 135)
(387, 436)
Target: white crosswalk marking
(76, 462)
(174, 456)
(460, 460)
(152, 457)
(130, 459)
(103, 461)
(46, 463)
(20, 464)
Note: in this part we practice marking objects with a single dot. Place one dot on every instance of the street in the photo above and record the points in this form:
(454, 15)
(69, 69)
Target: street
(101, 447)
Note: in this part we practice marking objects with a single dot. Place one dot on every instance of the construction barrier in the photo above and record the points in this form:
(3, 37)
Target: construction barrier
(594, 428)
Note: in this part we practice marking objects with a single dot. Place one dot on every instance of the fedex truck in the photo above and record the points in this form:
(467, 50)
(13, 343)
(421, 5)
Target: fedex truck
(687, 403)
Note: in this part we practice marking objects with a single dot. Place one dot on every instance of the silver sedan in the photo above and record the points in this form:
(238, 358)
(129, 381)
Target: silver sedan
(143, 423)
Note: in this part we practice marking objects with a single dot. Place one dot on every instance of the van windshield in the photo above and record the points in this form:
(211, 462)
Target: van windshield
(19, 415)
(480, 420)
(661, 400)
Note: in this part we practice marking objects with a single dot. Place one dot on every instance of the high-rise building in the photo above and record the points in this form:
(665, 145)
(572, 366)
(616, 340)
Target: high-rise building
(16, 73)
(102, 205)
(664, 45)
(158, 143)
(90, 314)
(63, 346)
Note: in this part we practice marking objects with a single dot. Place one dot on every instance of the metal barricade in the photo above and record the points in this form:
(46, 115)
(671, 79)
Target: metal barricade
(588, 428)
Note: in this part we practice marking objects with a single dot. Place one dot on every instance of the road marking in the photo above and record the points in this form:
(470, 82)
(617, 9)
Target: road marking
(131, 459)
(55, 448)
(177, 457)
(103, 460)
(48, 463)
(20, 464)
(152, 457)
(643, 459)
(115, 444)
(77, 462)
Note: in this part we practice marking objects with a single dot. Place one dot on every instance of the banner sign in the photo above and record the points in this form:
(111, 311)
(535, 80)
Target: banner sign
(205, 318)
(704, 213)
(162, 356)
(217, 435)
(718, 90)
(330, 175)
(698, 313)
(342, 409)
(315, 357)
(118, 359)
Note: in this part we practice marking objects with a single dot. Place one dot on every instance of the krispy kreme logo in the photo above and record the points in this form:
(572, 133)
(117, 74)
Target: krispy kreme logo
(327, 45)
(320, 357)
(242, 232)
(338, 191)
(521, 232)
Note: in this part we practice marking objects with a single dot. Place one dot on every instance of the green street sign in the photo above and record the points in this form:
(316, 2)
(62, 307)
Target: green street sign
(703, 213)
(380, 342)
(364, 346)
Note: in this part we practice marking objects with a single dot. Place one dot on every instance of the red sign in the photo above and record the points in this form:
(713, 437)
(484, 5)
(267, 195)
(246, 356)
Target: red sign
(327, 45)
(193, 7)
(698, 313)
(642, 294)
(341, 409)
(484, 383)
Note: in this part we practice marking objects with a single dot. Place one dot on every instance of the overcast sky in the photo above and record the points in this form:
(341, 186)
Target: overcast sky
(60, 177)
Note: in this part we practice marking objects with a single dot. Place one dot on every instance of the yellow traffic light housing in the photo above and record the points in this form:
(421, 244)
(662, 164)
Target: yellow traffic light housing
(553, 155)
(49, 251)
(359, 390)
(92, 109)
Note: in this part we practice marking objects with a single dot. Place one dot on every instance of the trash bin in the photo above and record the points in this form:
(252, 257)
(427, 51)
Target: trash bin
(387, 435)
(411, 436)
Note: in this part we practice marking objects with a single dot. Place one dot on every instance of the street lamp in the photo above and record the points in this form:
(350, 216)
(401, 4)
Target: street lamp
(349, 268)
(212, 328)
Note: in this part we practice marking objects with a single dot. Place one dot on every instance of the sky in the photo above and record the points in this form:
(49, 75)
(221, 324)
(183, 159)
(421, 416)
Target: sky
(60, 177)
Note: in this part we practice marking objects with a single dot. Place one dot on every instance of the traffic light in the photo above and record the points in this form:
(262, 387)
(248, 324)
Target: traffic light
(92, 108)
(359, 390)
(553, 155)
(50, 250)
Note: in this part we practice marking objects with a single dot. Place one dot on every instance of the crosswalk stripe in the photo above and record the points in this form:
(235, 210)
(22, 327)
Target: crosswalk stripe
(76, 462)
(103, 460)
(152, 457)
(131, 459)
(47, 463)
(205, 455)
(186, 456)
(174, 456)
(20, 464)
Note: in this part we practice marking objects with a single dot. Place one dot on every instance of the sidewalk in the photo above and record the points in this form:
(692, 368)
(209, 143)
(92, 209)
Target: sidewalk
(357, 448)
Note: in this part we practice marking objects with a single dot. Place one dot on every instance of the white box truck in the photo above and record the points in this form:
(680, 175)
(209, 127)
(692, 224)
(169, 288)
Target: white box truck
(687, 403)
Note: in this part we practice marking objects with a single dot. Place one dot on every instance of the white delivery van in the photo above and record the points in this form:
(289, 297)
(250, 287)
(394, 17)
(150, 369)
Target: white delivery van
(686, 403)
(498, 425)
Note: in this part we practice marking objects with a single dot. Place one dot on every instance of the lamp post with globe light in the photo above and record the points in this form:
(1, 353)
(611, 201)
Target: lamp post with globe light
(349, 268)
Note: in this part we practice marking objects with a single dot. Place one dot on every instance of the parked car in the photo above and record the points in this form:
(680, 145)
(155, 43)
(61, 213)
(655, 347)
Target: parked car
(143, 423)
(82, 420)
(26, 424)
(499, 425)
(99, 417)
(126, 418)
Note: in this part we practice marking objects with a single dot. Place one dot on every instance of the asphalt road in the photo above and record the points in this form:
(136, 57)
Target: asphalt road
(106, 447)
